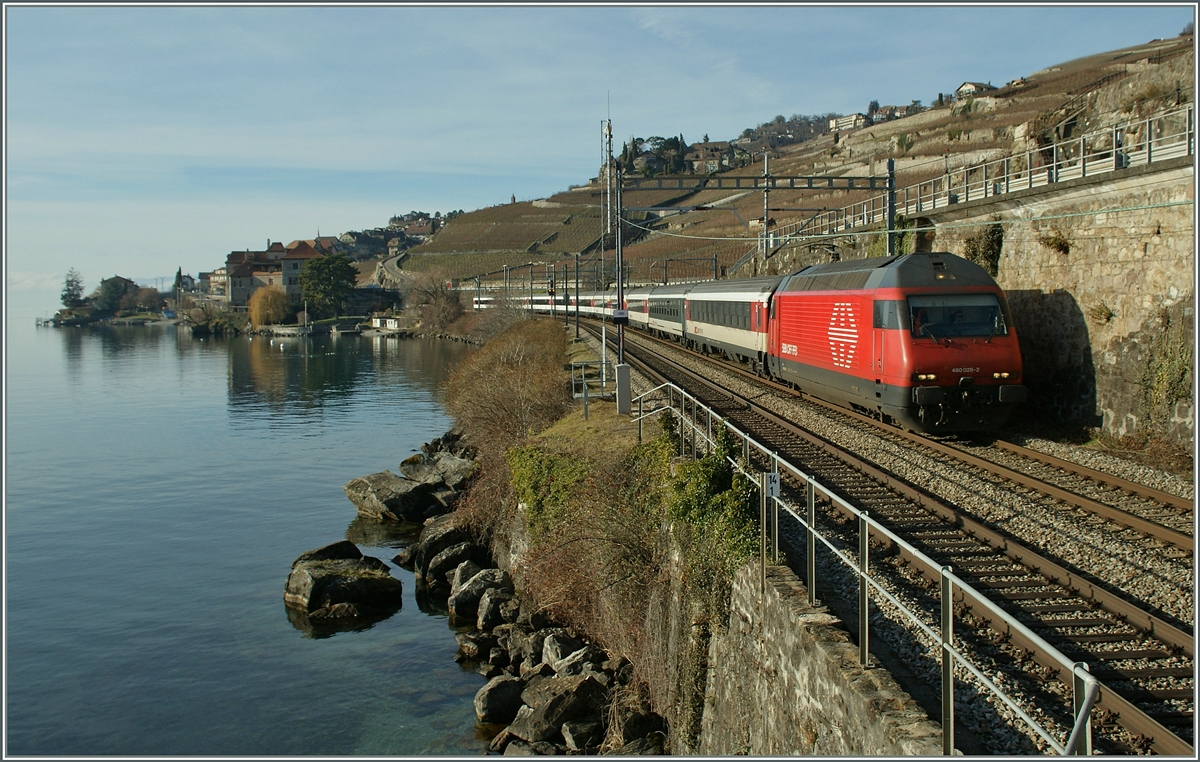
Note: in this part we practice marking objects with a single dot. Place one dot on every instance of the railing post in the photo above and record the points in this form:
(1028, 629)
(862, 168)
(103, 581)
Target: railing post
(585, 398)
(1082, 158)
(1149, 142)
(694, 427)
(947, 663)
(810, 547)
(775, 513)
(1191, 137)
(1007, 174)
(640, 420)
(864, 599)
(708, 441)
(762, 533)
(1029, 166)
(1079, 691)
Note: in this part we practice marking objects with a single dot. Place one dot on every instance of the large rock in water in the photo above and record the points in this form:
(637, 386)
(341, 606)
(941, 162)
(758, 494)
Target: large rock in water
(387, 497)
(339, 582)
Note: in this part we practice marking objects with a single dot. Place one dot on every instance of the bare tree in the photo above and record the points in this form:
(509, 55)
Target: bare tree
(434, 297)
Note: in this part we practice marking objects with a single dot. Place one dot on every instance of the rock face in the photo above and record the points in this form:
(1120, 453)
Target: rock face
(338, 582)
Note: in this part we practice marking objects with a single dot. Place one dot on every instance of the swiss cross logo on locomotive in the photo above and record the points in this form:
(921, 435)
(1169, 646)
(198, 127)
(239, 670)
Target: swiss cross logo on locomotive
(843, 334)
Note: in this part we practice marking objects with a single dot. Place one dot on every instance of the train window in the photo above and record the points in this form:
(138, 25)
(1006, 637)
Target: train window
(956, 315)
(887, 313)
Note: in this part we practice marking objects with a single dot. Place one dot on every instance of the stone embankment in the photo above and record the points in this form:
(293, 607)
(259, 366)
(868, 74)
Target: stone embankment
(549, 690)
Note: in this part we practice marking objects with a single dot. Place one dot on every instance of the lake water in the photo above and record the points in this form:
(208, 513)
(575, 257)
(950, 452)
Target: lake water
(157, 490)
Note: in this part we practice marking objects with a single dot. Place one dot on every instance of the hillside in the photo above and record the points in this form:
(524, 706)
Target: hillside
(1055, 103)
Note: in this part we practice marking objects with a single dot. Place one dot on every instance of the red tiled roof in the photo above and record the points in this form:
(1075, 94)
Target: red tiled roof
(301, 250)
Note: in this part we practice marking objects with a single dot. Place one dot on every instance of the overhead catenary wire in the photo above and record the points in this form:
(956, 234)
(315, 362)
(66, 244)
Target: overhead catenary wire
(921, 229)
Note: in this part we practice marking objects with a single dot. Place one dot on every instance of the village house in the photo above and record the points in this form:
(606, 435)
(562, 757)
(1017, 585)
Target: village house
(293, 262)
(969, 89)
(712, 156)
(215, 283)
(647, 162)
(423, 227)
(247, 271)
(851, 122)
(127, 286)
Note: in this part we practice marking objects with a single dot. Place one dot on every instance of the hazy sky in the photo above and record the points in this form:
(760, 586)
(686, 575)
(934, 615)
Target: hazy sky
(142, 139)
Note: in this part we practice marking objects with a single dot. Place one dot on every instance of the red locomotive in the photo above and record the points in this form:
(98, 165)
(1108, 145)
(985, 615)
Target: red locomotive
(925, 340)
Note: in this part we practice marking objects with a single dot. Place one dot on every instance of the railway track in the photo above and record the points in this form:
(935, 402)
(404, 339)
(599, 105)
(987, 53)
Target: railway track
(1144, 660)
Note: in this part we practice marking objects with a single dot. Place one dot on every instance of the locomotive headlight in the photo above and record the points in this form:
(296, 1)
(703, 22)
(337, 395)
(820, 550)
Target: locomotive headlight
(1000, 375)
(927, 377)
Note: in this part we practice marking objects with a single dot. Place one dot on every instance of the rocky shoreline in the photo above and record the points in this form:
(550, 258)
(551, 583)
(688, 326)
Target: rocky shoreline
(549, 691)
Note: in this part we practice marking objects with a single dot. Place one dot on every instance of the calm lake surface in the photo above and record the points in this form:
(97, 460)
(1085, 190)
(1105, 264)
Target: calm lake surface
(158, 489)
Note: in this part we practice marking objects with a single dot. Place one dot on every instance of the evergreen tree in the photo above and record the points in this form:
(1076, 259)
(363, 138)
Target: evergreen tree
(327, 281)
(72, 293)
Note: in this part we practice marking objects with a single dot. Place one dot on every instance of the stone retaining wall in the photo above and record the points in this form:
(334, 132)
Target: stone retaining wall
(1106, 317)
(781, 677)
(784, 679)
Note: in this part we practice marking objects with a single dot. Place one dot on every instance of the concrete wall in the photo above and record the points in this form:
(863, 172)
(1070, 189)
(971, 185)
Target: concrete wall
(784, 679)
(1106, 327)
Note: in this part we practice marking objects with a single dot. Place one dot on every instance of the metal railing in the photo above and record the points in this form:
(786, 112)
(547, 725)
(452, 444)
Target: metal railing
(1166, 135)
(697, 422)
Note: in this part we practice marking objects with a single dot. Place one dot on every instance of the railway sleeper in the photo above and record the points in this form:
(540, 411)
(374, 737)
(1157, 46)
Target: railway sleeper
(1116, 674)
(1133, 653)
(1005, 584)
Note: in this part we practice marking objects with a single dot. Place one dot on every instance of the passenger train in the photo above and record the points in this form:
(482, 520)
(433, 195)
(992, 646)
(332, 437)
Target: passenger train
(925, 341)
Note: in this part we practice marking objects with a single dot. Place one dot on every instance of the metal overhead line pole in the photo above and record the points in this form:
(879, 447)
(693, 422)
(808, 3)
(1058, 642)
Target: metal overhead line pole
(891, 207)
(620, 278)
(606, 157)
(766, 205)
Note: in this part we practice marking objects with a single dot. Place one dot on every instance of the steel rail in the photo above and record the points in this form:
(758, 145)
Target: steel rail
(1141, 490)
(1129, 716)
(1112, 513)
(1137, 523)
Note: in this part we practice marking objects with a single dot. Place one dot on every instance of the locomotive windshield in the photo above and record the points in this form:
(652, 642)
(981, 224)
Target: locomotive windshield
(956, 315)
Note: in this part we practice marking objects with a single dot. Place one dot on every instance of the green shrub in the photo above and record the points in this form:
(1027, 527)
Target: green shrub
(984, 248)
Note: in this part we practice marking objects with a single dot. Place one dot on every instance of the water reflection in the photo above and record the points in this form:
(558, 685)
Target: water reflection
(319, 629)
(380, 534)
(311, 373)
